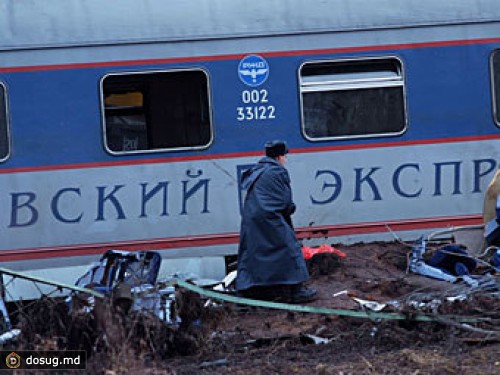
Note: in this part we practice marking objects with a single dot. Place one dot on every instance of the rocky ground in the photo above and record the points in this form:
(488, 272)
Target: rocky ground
(226, 338)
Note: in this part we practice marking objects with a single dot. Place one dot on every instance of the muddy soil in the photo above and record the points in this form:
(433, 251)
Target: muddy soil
(228, 338)
(265, 341)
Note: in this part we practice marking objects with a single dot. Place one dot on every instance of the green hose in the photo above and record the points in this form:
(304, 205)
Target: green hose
(325, 310)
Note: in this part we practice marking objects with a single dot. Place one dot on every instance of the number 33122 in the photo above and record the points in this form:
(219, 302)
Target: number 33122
(260, 112)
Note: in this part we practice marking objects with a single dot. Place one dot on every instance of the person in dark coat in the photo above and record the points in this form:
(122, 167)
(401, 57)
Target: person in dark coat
(491, 211)
(270, 261)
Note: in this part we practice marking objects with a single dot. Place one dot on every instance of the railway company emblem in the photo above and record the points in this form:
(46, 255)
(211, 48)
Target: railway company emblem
(253, 70)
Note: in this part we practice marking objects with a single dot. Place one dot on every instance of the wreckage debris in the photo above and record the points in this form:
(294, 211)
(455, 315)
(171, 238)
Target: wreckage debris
(451, 262)
(158, 320)
(322, 260)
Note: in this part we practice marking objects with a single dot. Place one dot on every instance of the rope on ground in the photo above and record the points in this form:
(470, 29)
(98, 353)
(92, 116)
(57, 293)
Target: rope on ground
(34, 279)
(329, 311)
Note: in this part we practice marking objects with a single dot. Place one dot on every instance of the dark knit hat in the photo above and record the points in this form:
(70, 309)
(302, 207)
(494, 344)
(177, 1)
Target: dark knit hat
(276, 148)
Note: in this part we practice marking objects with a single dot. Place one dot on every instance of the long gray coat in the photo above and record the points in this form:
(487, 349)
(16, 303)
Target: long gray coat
(269, 252)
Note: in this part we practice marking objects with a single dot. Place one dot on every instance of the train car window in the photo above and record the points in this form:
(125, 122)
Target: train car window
(156, 111)
(355, 98)
(4, 126)
(495, 67)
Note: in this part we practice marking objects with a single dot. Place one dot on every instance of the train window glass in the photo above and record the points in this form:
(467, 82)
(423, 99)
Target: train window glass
(156, 111)
(495, 64)
(4, 133)
(355, 98)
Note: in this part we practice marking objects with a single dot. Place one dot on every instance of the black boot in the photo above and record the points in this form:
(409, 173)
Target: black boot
(301, 294)
(274, 293)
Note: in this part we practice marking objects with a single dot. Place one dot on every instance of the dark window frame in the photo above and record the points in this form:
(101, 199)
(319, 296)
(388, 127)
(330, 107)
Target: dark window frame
(495, 85)
(205, 109)
(4, 108)
(351, 75)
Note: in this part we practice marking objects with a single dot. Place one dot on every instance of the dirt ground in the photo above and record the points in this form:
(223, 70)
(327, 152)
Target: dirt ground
(228, 338)
(265, 341)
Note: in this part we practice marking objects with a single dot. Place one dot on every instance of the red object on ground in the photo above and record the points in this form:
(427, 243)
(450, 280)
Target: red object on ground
(309, 252)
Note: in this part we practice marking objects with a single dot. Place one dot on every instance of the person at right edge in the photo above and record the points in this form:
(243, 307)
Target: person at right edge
(491, 219)
(270, 261)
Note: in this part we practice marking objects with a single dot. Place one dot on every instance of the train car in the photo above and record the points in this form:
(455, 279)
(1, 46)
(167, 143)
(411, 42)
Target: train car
(127, 124)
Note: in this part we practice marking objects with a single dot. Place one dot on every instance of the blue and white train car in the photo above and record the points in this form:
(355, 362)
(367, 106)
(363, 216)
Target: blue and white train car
(126, 124)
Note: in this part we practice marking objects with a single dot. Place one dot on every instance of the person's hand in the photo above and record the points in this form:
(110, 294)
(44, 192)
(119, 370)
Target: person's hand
(289, 210)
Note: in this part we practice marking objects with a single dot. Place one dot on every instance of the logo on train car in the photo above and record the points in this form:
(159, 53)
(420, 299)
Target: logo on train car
(253, 70)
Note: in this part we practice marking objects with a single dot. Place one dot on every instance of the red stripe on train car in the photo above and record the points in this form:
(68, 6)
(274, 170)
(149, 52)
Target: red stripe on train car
(176, 60)
(233, 238)
(302, 150)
